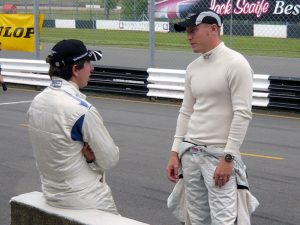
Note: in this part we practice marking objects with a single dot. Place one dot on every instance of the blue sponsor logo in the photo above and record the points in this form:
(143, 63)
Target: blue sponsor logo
(56, 83)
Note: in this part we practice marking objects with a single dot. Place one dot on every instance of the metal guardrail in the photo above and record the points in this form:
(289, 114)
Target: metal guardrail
(268, 91)
(21, 71)
(170, 84)
(103, 79)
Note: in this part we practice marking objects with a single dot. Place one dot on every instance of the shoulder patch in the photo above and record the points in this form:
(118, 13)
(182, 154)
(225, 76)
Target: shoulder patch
(56, 83)
(85, 104)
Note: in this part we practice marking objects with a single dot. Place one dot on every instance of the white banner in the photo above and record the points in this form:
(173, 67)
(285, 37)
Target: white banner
(131, 25)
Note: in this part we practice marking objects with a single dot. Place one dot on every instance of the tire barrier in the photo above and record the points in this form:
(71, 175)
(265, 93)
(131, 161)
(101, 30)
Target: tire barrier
(118, 80)
(284, 92)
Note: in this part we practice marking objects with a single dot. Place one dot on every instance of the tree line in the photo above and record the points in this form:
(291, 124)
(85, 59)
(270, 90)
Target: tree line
(130, 9)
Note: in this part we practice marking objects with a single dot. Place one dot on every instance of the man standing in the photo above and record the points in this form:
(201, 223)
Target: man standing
(213, 121)
(71, 144)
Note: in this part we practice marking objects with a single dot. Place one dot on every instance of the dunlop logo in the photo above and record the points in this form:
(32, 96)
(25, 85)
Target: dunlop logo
(17, 32)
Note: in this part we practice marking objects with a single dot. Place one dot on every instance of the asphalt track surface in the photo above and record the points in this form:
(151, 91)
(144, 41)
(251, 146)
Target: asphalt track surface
(144, 131)
(139, 58)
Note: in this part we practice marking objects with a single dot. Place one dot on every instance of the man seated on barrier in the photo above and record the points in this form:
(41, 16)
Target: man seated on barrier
(71, 145)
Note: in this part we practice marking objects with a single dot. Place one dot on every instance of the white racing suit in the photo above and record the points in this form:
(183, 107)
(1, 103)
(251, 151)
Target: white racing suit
(196, 200)
(60, 122)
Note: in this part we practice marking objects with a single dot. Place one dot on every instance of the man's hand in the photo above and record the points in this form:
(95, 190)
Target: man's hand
(173, 166)
(4, 87)
(223, 172)
(88, 153)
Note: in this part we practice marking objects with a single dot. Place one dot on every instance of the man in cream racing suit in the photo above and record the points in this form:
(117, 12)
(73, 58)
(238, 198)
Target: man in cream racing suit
(213, 118)
(70, 142)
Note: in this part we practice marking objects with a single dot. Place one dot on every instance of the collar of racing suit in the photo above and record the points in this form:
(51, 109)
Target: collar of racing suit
(67, 86)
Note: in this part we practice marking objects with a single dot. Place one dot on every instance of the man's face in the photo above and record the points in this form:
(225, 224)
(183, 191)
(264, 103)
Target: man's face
(199, 37)
(83, 75)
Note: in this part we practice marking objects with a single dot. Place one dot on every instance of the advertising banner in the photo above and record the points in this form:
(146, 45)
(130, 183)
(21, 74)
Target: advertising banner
(17, 31)
(263, 10)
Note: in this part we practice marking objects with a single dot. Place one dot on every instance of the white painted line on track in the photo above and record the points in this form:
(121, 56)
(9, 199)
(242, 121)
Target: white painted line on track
(13, 103)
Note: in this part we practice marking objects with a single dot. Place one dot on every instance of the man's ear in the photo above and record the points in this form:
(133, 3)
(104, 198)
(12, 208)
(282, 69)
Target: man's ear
(75, 75)
(74, 70)
(75, 67)
(214, 27)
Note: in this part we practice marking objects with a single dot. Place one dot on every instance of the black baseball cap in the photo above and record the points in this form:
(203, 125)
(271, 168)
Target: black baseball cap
(194, 18)
(67, 52)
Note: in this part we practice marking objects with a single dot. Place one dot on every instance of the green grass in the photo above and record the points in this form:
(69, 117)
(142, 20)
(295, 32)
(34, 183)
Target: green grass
(173, 41)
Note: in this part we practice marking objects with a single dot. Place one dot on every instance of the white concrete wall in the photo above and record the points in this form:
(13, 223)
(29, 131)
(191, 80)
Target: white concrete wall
(266, 30)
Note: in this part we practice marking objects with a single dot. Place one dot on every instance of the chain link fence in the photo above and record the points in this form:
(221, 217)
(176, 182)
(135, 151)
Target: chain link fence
(259, 28)
(267, 28)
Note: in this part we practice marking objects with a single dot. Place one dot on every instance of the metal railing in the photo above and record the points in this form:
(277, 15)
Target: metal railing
(268, 91)
(103, 79)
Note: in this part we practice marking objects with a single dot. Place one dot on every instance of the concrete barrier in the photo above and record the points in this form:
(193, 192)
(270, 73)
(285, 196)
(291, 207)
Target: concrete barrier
(32, 209)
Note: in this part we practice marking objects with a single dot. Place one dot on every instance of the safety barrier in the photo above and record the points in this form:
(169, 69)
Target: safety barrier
(23, 71)
(170, 84)
(103, 79)
(284, 92)
(268, 91)
(118, 80)
(32, 209)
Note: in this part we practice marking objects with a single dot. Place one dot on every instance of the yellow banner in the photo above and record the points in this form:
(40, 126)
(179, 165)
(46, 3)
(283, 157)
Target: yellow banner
(17, 31)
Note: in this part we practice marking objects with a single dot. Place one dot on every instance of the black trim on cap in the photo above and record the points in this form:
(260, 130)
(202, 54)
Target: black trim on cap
(207, 16)
(189, 22)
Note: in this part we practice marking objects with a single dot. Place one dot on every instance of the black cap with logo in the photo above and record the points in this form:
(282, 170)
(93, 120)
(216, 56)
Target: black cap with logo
(67, 52)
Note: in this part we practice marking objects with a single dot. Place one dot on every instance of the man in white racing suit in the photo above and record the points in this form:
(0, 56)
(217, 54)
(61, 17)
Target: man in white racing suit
(71, 145)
